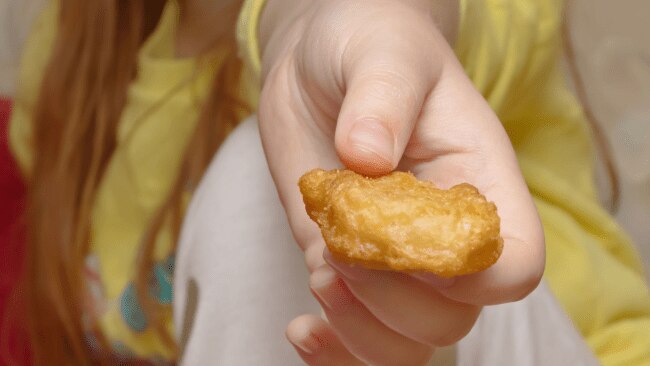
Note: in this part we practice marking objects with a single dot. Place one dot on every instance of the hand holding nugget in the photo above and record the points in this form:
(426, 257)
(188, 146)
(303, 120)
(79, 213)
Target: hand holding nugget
(374, 85)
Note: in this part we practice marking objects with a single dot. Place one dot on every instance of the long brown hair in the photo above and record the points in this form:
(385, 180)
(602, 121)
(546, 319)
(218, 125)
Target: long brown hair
(81, 99)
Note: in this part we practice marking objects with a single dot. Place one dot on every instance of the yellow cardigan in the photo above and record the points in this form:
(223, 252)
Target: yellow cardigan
(510, 50)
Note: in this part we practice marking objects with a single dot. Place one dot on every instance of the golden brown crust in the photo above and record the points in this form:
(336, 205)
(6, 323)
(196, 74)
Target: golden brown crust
(398, 222)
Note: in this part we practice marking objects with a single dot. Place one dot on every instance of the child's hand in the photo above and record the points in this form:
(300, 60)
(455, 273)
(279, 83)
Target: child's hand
(374, 84)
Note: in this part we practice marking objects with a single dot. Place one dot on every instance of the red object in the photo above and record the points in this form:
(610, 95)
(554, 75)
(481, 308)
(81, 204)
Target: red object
(14, 349)
(12, 246)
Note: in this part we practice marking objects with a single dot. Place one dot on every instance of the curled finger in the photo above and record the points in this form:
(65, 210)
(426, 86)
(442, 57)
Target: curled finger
(407, 305)
(362, 333)
(317, 343)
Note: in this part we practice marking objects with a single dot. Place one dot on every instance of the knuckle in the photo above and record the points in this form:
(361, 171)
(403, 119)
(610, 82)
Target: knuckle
(391, 85)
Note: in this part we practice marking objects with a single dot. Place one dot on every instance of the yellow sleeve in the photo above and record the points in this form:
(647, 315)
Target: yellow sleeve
(247, 39)
(511, 51)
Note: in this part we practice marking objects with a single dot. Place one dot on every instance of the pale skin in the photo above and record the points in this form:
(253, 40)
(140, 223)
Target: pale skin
(373, 85)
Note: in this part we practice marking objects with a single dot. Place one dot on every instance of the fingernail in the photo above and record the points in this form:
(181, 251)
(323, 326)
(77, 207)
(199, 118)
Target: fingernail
(330, 290)
(306, 341)
(435, 280)
(372, 137)
(322, 277)
(308, 345)
(320, 280)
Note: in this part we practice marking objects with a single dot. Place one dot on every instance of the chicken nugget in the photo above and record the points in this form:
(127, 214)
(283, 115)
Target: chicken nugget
(398, 222)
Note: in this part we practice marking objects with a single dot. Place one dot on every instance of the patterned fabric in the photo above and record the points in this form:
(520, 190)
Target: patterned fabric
(127, 307)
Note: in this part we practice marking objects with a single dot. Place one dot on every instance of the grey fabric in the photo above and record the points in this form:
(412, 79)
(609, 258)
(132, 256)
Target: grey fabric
(532, 332)
(248, 273)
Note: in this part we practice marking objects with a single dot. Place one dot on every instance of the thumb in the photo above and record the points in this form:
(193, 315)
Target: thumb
(382, 103)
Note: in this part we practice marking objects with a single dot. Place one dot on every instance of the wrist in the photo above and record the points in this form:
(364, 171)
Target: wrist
(446, 15)
(283, 22)
(277, 19)
(278, 16)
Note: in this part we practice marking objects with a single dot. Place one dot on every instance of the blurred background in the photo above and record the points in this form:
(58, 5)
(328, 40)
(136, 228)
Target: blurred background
(612, 48)
(613, 56)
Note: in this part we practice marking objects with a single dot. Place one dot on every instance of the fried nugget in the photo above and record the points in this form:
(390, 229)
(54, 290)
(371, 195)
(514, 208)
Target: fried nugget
(398, 222)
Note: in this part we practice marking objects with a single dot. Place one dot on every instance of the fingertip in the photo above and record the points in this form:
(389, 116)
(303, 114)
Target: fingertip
(317, 343)
(352, 272)
(531, 259)
(516, 274)
(529, 282)
(299, 333)
(368, 148)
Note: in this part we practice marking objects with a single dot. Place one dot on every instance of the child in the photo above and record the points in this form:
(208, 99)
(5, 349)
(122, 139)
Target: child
(518, 74)
(112, 142)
